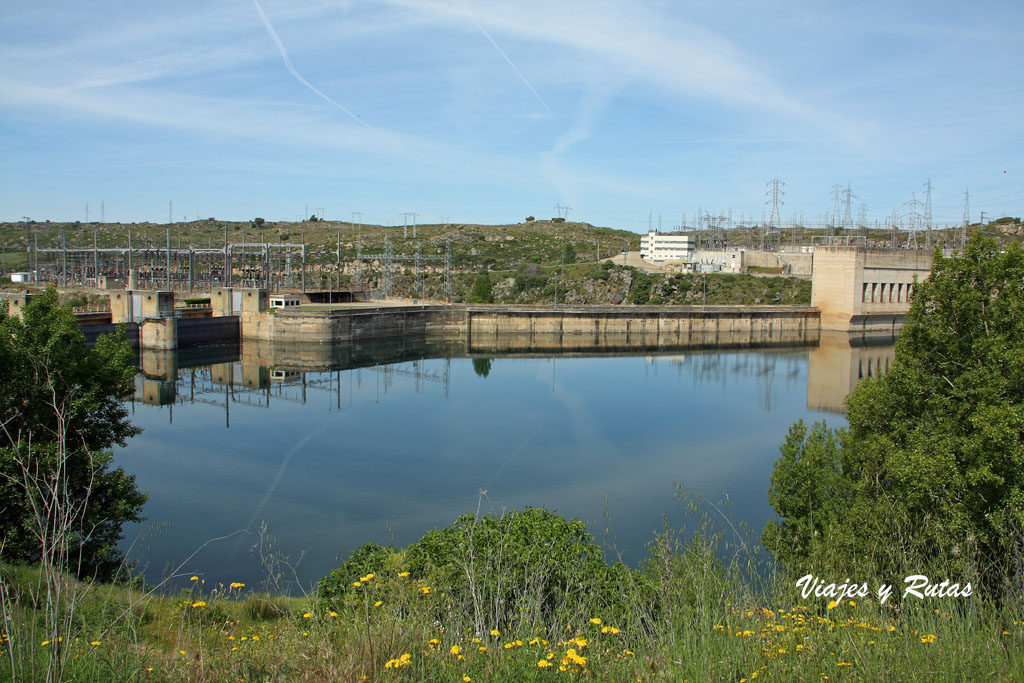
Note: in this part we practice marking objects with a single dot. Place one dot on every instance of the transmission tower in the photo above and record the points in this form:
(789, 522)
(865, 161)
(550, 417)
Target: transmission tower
(913, 218)
(405, 217)
(928, 214)
(103, 212)
(837, 193)
(357, 219)
(848, 197)
(563, 211)
(774, 193)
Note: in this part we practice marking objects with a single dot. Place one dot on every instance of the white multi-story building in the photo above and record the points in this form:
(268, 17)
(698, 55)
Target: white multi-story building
(659, 248)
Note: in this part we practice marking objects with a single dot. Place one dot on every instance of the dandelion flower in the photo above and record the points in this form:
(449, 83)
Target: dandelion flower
(832, 604)
(333, 615)
(357, 584)
(544, 664)
(424, 589)
(403, 574)
(193, 578)
(236, 584)
(200, 603)
(378, 603)
(930, 638)
(95, 643)
(307, 615)
(455, 649)
(466, 678)
(255, 637)
(595, 621)
(495, 632)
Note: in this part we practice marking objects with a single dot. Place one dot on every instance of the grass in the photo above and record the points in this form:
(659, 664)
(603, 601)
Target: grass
(684, 615)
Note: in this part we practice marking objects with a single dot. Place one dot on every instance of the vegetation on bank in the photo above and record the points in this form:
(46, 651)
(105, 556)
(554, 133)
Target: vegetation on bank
(925, 483)
(484, 601)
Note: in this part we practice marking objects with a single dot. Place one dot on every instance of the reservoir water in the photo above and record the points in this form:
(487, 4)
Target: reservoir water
(306, 453)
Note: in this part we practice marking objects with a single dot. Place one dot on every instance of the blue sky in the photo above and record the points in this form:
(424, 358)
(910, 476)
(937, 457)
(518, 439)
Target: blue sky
(492, 111)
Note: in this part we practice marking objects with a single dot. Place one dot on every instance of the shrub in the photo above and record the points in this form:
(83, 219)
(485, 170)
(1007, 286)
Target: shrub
(524, 566)
(367, 558)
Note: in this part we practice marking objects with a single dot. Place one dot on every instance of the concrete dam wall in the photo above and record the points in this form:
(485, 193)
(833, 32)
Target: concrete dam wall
(487, 328)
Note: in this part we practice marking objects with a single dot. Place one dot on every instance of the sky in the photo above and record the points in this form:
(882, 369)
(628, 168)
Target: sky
(488, 112)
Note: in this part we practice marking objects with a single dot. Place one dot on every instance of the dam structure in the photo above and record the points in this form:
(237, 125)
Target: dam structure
(853, 289)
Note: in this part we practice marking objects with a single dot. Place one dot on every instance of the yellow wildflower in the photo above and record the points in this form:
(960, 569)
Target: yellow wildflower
(844, 664)
(930, 638)
(332, 615)
(544, 664)
(378, 603)
(95, 643)
(424, 589)
(403, 574)
(236, 584)
(194, 578)
(356, 584)
(455, 649)
(832, 604)
(307, 615)
(495, 632)
(595, 621)
(466, 678)
(255, 637)
(200, 603)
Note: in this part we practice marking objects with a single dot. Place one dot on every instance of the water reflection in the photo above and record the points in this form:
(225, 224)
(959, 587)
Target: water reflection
(839, 361)
(337, 446)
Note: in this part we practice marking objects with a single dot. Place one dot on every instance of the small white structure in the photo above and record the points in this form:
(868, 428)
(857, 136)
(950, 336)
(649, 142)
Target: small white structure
(658, 248)
(284, 301)
(20, 277)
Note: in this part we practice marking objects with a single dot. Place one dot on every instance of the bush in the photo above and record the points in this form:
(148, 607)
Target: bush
(369, 557)
(525, 566)
(640, 292)
(481, 292)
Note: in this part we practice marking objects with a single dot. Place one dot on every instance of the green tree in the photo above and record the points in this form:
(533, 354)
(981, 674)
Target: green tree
(61, 408)
(931, 468)
(481, 292)
(569, 253)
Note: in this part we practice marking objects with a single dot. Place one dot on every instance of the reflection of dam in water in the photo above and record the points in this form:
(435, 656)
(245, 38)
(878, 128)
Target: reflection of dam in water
(255, 373)
(839, 361)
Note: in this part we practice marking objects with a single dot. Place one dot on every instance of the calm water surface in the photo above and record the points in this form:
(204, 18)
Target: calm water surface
(383, 443)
